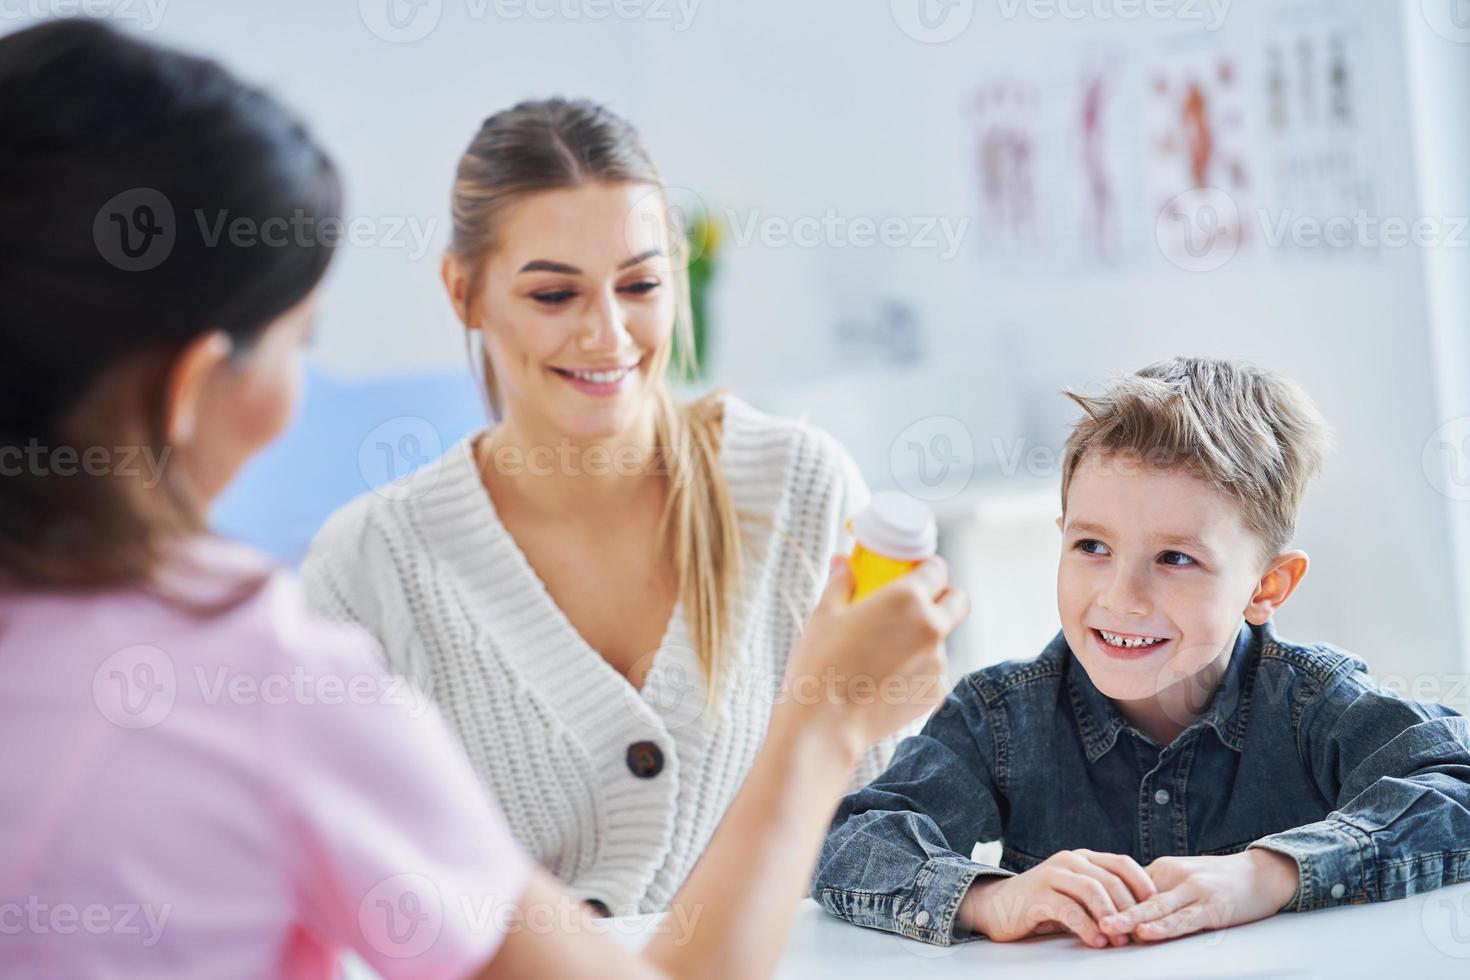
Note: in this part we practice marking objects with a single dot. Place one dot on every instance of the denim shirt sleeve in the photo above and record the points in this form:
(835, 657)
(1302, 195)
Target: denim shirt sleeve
(1397, 773)
(897, 856)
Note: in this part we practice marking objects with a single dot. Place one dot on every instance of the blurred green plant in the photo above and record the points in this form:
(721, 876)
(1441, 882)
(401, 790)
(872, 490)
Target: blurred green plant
(704, 236)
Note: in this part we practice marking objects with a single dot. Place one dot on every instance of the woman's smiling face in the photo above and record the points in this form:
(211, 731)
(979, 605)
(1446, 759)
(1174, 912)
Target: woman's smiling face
(577, 309)
(1157, 569)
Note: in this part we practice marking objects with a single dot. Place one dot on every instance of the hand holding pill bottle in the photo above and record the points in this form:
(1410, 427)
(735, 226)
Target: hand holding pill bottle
(892, 537)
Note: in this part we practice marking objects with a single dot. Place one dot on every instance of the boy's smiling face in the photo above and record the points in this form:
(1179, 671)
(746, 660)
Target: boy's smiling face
(1158, 568)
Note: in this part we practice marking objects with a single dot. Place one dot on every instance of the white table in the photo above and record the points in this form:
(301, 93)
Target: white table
(1422, 936)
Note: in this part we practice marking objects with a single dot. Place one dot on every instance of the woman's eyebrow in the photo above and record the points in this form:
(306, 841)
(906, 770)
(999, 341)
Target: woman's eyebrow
(547, 265)
(642, 257)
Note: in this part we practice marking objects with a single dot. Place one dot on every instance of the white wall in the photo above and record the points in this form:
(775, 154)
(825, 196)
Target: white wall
(794, 109)
(1439, 59)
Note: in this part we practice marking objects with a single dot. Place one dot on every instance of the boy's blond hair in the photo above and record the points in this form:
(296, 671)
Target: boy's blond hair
(1254, 435)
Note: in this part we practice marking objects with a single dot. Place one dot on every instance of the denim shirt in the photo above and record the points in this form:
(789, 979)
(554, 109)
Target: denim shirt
(1299, 751)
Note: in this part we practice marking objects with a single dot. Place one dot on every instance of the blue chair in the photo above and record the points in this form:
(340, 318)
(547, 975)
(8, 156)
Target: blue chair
(349, 436)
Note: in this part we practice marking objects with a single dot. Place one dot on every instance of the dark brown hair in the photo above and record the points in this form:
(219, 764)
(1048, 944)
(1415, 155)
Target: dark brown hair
(102, 135)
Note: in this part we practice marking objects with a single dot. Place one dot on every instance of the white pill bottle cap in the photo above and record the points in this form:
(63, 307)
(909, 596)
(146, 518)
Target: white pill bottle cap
(896, 525)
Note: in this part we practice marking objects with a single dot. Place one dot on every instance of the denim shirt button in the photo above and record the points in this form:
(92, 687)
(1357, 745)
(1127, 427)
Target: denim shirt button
(922, 919)
(1339, 890)
(1162, 797)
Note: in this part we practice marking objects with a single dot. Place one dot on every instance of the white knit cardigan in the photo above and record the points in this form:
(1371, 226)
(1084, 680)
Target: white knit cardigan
(428, 568)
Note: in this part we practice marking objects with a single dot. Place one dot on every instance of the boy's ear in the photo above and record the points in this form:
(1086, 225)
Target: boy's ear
(1284, 573)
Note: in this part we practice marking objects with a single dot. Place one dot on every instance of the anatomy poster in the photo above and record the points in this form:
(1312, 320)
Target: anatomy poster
(1198, 140)
(1055, 163)
(1101, 214)
(1317, 121)
(1010, 146)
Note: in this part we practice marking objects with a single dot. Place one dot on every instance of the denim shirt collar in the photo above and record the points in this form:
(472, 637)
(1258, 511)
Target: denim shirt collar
(1099, 722)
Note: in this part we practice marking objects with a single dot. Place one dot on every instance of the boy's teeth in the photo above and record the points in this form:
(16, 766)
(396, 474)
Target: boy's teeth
(1113, 639)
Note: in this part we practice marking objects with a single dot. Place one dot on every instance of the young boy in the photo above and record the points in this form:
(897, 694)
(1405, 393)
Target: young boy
(1163, 767)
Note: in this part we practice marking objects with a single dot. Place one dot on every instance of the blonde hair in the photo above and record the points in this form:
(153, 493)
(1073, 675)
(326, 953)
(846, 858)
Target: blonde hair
(553, 144)
(1253, 435)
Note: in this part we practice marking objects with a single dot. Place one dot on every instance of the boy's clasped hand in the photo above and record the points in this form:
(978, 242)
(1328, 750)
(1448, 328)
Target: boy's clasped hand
(1111, 900)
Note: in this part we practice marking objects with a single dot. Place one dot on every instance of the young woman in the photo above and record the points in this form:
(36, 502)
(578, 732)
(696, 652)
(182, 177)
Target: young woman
(602, 590)
(196, 778)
